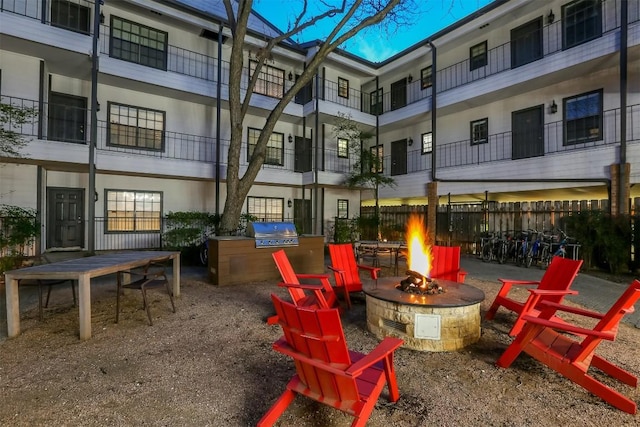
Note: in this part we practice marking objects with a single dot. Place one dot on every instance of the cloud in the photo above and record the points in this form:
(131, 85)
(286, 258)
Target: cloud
(375, 49)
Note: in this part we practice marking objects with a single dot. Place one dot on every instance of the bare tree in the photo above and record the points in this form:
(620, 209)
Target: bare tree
(352, 17)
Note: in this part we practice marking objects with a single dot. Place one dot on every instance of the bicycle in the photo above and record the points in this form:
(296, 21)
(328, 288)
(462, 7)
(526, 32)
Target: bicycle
(495, 249)
(203, 249)
(522, 248)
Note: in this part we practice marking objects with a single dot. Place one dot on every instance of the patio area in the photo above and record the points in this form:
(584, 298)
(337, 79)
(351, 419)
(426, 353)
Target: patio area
(211, 363)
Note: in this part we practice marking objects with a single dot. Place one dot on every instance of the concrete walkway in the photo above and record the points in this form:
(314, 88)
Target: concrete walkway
(594, 293)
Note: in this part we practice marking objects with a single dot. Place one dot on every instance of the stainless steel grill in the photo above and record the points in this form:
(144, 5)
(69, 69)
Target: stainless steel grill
(273, 234)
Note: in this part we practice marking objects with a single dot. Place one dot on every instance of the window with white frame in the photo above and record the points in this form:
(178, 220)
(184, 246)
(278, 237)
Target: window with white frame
(133, 211)
(427, 142)
(425, 77)
(135, 127)
(582, 22)
(343, 148)
(343, 88)
(270, 80)
(478, 56)
(583, 118)
(266, 208)
(479, 131)
(138, 43)
(343, 208)
(275, 146)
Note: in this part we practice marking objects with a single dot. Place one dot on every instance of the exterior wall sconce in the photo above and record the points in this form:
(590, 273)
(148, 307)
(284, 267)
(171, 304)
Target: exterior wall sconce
(551, 17)
(553, 108)
(289, 203)
(410, 141)
(410, 78)
(290, 139)
(101, 18)
(290, 76)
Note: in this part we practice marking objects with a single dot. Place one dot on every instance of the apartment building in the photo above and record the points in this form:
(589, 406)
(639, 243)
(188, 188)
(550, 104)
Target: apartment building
(527, 106)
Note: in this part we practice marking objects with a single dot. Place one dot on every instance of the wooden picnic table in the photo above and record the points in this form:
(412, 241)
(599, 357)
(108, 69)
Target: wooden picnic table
(82, 270)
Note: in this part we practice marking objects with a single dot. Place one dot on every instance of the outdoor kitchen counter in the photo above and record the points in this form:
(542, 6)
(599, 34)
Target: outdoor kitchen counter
(236, 259)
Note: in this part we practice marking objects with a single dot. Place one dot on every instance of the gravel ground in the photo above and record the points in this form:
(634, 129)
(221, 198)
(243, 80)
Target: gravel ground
(212, 364)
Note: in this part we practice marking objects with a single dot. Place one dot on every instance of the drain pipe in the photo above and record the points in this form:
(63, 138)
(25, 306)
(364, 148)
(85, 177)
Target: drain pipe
(91, 199)
(623, 196)
(218, 114)
(434, 86)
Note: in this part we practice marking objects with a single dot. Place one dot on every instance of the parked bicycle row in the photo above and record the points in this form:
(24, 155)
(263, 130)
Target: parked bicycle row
(528, 247)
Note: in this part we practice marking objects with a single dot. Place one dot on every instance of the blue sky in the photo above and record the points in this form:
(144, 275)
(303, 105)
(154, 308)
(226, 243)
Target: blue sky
(377, 45)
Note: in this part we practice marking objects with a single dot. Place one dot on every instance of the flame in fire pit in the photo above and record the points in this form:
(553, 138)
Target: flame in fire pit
(419, 255)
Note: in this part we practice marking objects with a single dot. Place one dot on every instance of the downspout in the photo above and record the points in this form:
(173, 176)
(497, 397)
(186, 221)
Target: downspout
(218, 113)
(377, 189)
(314, 194)
(91, 228)
(623, 201)
(434, 83)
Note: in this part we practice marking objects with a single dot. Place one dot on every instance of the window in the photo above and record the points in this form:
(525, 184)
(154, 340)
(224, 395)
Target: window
(478, 56)
(138, 43)
(376, 102)
(480, 131)
(425, 77)
(67, 118)
(343, 148)
(133, 211)
(270, 81)
(275, 146)
(343, 208)
(71, 16)
(343, 88)
(136, 127)
(266, 208)
(582, 22)
(427, 142)
(583, 118)
(377, 158)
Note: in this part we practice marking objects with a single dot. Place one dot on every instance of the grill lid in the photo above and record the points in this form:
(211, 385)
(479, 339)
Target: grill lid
(273, 234)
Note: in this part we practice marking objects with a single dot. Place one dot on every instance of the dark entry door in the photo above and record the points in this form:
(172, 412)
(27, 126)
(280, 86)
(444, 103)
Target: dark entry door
(399, 94)
(528, 133)
(303, 156)
(399, 157)
(65, 217)
(67, 118)
(526, 43)
(302, 215)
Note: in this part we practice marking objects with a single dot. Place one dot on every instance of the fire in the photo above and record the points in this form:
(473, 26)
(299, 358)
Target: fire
(419, 255)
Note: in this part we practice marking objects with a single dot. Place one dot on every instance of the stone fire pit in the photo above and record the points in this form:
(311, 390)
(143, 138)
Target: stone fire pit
(446, 321)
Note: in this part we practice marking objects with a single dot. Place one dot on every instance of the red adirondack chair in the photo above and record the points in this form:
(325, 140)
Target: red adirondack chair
(553, 286)
(446, 264)
(543, 339)
(326, 370)
(346, 271)
(318, 295)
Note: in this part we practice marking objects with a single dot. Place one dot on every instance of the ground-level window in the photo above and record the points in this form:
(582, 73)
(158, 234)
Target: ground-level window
(136, 127)
(427, 142)
(343, 208)
(275, 147)
(266, 208)
(479, 131)
(133, 211)
(343, 147)
(583, 118)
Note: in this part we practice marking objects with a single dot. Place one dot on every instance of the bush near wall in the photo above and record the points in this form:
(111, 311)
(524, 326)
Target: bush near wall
(18, 231)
